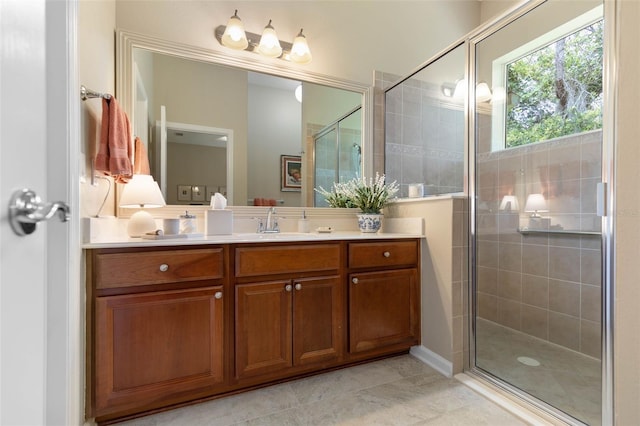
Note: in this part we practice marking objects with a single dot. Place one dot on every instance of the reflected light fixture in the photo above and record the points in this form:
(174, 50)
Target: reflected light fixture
(509, 203)
(234, 35)
(298, 93)
(483, 92)
(269, 44)
(300, 52)
(142, 192)
(536, 204)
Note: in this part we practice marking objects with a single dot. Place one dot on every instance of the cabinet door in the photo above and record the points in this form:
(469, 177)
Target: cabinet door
(383, 309)
(150, 347)
(318, 320)
(263, 327)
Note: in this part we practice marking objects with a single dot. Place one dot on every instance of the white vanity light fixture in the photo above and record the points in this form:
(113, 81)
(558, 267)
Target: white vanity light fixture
(536, 204)
(269, 44)
(141, 192)
(300, 52)
(234, 35)
(509, 203)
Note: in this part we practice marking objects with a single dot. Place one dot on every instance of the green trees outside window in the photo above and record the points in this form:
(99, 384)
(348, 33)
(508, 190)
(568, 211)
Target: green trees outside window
(556, 90)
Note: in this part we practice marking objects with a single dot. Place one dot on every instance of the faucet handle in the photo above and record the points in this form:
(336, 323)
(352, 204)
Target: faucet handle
(260, 224)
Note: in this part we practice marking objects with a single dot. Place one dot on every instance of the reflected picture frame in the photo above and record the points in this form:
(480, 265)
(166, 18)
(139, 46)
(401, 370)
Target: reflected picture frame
(290, 173)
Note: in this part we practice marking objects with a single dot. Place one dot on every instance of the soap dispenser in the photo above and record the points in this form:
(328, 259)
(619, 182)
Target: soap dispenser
(188, 223)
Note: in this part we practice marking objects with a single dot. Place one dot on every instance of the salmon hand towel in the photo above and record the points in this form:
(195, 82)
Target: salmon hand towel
(114, 152)
(140, 158)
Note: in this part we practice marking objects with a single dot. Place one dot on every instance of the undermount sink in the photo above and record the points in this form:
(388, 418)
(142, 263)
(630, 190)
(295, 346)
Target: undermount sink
(276, 236)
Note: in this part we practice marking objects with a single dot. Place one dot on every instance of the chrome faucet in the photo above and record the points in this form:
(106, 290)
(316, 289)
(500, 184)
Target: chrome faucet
(271, 225)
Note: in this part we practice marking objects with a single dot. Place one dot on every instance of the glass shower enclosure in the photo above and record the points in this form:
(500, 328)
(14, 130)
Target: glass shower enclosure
(337, 153)
(536, 230)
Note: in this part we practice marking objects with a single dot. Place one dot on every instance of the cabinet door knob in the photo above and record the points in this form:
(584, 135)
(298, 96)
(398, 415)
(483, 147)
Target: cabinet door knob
(288, 287)
(218, 295)
(298, 286)
(386, 254)
(354, 280)
(164, 267)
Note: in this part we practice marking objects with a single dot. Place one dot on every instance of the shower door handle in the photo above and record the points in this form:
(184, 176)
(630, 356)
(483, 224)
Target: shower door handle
(601, 199)
(26, 209)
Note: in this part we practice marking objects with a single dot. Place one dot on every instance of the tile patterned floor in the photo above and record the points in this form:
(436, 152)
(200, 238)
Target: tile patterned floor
(565, 379)
(395, 391)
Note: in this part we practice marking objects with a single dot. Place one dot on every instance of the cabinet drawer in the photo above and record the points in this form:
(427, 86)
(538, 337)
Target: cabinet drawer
(156, 267)
(383, 253)
(253, 261)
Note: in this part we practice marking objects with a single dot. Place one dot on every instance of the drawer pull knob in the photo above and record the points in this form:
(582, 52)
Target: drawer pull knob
(298, 286)
(386, 254)
(288, 287)
(164, 267)
(354, 280)
(218, 295)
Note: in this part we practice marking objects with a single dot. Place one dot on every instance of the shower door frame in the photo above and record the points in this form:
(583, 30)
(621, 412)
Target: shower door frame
(608, 226)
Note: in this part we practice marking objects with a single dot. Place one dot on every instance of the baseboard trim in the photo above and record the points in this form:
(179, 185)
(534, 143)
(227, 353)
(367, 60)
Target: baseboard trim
(433, 360)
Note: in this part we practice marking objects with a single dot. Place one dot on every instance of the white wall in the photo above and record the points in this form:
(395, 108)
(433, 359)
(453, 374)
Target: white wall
(627, 216)
(273, 131)
(96, 62)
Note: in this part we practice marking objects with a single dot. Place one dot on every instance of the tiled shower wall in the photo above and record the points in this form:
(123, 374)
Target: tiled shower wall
(424, 138)
(544, 284)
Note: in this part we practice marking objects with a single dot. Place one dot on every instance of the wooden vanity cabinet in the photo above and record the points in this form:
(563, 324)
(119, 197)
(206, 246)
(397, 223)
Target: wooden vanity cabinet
(170, 325)
(293, 320)
(158, 327)
(384, 296)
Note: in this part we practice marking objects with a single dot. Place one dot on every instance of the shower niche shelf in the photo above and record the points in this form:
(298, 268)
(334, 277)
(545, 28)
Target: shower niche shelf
(526, 231)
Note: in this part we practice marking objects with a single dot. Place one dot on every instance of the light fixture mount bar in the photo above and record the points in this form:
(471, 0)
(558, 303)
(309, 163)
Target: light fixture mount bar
(254, 41)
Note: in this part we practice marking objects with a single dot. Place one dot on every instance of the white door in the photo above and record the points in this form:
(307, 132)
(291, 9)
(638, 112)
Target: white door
(40, 337)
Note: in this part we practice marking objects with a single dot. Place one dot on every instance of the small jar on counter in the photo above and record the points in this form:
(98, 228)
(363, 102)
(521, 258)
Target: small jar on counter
(188, 223)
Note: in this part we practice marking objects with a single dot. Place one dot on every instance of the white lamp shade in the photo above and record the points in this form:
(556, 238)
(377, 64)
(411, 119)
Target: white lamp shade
(141, 192)
(536, 203)
(509, 203)
(300, 52)
(234, 35)
(269, 43)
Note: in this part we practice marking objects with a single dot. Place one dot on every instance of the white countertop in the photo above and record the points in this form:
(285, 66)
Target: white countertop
(245, 238)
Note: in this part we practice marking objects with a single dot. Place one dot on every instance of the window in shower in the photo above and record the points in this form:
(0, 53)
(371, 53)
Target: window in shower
(556, 90)
(536, 273)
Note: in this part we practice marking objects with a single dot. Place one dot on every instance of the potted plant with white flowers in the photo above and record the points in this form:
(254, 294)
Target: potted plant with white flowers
(370, 196)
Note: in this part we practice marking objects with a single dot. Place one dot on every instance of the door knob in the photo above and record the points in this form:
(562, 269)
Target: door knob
(26, 209)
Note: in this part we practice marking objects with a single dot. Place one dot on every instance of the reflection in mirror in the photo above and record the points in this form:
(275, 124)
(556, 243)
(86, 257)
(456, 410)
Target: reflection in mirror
(338, 153)
(257, 112)
(424, 128)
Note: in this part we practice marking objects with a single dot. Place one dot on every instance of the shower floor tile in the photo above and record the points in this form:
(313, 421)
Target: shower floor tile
(568, 380)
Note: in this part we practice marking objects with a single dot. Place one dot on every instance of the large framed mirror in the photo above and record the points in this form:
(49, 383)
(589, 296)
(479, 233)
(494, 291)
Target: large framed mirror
(216, 123)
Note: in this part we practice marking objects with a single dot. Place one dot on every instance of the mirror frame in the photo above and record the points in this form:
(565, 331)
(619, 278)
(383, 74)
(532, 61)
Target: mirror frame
(127, 41)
